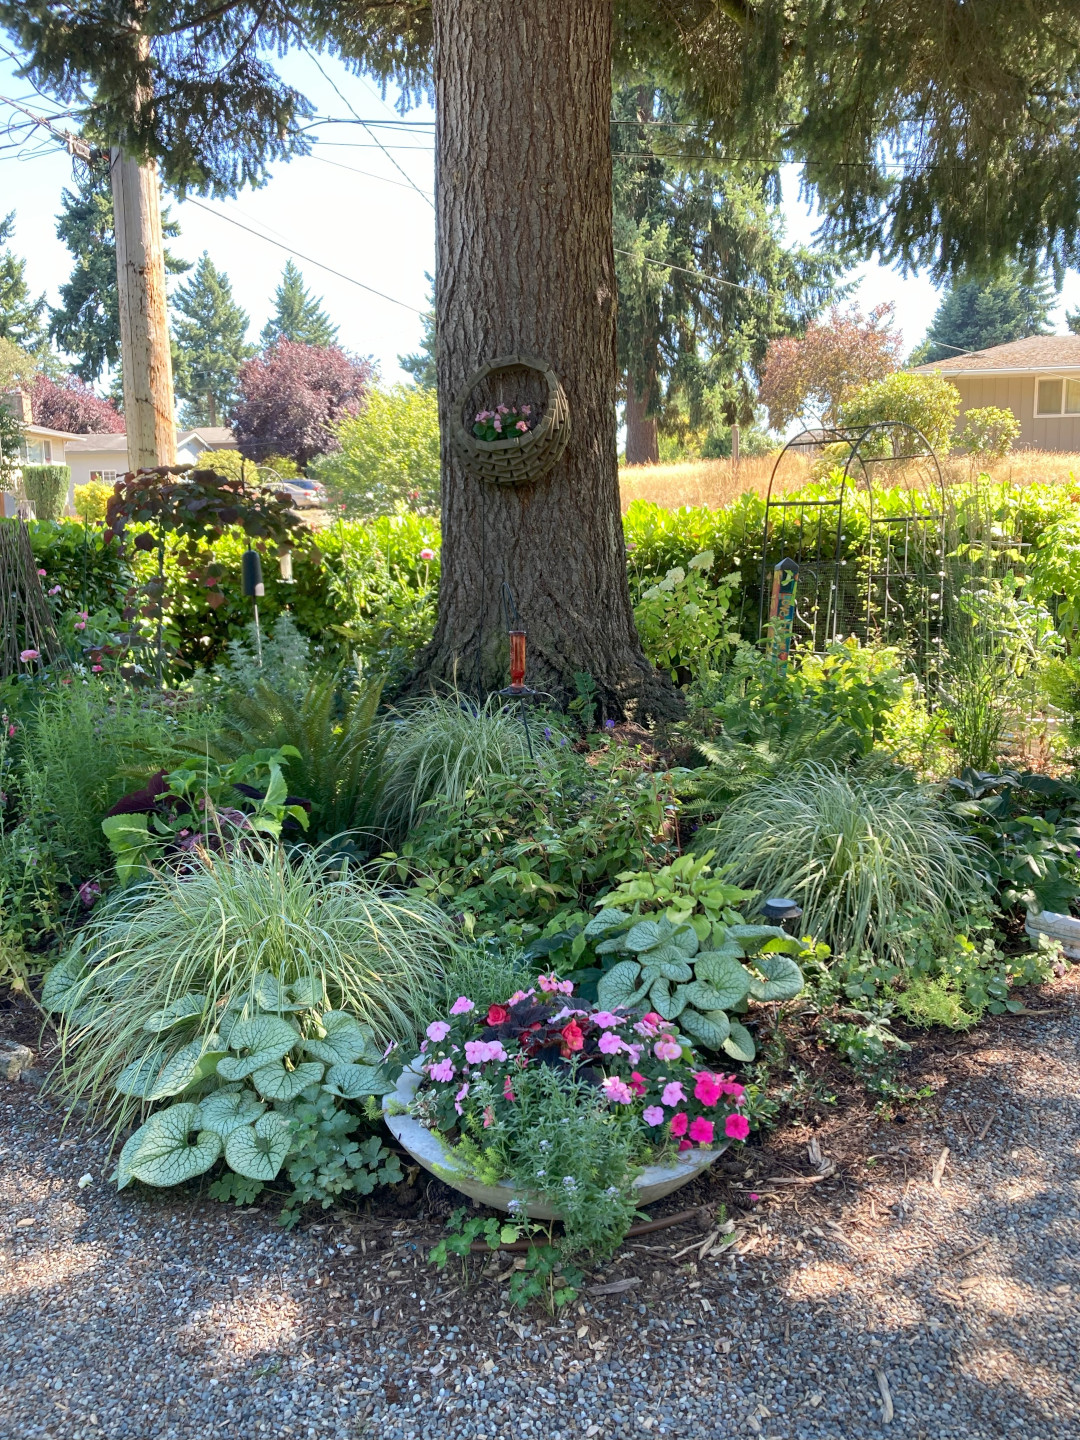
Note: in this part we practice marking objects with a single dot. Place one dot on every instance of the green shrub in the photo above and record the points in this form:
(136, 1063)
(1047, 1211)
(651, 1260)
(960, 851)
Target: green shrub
(389, 455)
(989, 432)
(927, 401)
(46, 488)
(682, 619)
(862, 854)
(286, 660)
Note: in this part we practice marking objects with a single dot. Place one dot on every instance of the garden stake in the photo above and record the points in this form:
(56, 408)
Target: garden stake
(782, 612)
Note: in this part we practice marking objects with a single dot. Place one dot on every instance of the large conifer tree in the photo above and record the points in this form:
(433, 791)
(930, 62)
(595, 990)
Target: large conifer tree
(942, 136)
(20, 315)
(977, 313)
(209, 345)
(298, 316)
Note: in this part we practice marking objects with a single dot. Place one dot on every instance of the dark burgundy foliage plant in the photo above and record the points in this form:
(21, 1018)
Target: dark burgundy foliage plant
(292, 395)
(74, 407)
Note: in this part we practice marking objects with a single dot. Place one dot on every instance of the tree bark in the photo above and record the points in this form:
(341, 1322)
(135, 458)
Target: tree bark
(525, 265)
(642, 439)
(145, 356)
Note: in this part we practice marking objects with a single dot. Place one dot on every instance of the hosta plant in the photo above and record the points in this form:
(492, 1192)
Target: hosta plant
(684, 951)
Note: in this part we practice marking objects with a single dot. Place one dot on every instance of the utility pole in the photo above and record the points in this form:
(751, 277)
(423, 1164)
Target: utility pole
(146, 358)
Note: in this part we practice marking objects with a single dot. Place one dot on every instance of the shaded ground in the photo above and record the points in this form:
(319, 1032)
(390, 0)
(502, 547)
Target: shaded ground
(154, 1314)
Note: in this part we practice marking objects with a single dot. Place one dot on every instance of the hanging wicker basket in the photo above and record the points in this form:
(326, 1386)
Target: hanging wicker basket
(525, 458)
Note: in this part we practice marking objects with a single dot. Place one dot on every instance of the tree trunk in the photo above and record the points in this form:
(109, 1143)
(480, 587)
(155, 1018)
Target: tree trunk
(642, 440)
(146, 361)
(525, 264)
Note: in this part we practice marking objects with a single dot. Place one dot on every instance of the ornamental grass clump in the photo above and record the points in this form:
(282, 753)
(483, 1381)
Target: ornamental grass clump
(197, 948)
(864, 855)
(569, 1102)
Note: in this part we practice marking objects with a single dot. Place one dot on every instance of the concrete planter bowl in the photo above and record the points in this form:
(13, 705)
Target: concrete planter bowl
(428, 1150)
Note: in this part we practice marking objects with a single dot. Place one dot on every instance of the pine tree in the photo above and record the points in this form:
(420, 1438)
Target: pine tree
(209, 345)
(20, 317)
(977, 313)
(421, 363)
(297, 315)
(86, 323)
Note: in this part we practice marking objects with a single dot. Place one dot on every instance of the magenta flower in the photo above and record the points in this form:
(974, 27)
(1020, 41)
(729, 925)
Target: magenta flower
(653, 1115)
(89, 891)
(97, 669)
(736, 1127)
(437, 1030)
(617, 1091)
(732, 1088)
(461, 1006)
(42, 574)
(80, 624)
(27, 655)
(679, 1123)
(667, 1048)
(708, 1089)
(609, 1044)
(55, 590)
(673, 1094)
(701, 1131)
(443, 1071)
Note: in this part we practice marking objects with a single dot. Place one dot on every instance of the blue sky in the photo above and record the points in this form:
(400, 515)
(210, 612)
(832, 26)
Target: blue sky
(361, 210)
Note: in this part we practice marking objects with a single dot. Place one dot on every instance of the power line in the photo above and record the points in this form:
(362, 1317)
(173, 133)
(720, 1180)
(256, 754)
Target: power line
(697, 274)
(307, 259)
(74, 144)
(370, 174)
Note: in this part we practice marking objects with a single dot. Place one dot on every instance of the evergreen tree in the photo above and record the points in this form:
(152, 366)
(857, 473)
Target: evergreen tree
(86, 323)
(20, 316)
(209, 345)
(977, 313)
(705, 282)
(297, 315)
(421, 363)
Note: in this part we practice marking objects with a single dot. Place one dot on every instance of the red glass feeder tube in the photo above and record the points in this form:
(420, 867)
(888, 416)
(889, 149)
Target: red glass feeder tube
(517, 659)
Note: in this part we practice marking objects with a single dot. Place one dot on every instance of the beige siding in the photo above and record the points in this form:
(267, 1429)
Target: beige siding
(1017, 393)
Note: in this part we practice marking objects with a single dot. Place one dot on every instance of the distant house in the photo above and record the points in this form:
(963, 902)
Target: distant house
(105, 458)
(1038, 379)
(41, 444)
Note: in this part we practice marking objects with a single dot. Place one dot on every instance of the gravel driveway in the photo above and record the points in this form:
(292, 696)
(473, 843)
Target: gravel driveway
(946, 1284)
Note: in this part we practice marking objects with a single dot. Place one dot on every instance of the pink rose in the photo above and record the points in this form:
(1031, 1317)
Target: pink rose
(667, 1048)
(461, 1006)
(673, 1094)
(26, 655)
(437, 1030)
(679, 1123)
(701, 1131)
(653, 1115)
(736, 1127)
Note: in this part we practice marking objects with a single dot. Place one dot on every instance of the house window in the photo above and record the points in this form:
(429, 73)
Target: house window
(106, 477)
(33, 452)
(1057, 397)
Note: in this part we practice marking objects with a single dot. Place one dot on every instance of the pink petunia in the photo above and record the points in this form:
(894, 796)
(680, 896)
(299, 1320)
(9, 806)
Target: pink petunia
(462, 1006)
(708, 1089)
(653, 1115)
(736, 1127)
(679, 1123)
(736, 1091)
(701, 1131)
(617, 1091)
(438, 1030)
(667, 1048)
(443, 1071)
(684, 1145)
(609, 1044)
(673, 1094)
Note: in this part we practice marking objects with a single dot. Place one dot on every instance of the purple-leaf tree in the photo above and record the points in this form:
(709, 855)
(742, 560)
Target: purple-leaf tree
(74, 407)
(292, 396)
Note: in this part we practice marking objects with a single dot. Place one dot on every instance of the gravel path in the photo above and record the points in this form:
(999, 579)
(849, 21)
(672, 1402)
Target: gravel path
(147, 1315)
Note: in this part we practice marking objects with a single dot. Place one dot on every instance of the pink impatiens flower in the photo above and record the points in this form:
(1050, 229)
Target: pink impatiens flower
(461, 1096)
(462, 1006)
(554, 986)
(679, 1123)
(605, 1019)
(667, 1048)
(478, 1052)
(637, 1083)
(443, 1071)
(617, 1091)
(649, 1025)
(673, 1094)
(653, 1115)
(708, 1089)
(736, 1127)
(609, 1044)
(438, 1030)
(701, 1131)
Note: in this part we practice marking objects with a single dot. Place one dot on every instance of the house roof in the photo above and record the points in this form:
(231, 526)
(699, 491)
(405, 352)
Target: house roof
(99, 444)
(46, 432)
(213, 437)
(1017, 357)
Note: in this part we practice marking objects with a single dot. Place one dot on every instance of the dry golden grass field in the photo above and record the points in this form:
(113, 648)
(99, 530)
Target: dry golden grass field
(717, 483)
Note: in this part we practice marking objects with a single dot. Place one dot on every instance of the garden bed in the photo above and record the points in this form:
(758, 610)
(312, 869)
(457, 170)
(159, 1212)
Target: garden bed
(158, 1312)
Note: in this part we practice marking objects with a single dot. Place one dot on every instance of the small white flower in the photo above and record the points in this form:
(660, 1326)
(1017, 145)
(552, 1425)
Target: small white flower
(85, 1180)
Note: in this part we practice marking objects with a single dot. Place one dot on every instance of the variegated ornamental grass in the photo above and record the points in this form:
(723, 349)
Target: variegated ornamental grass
(143, 996)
